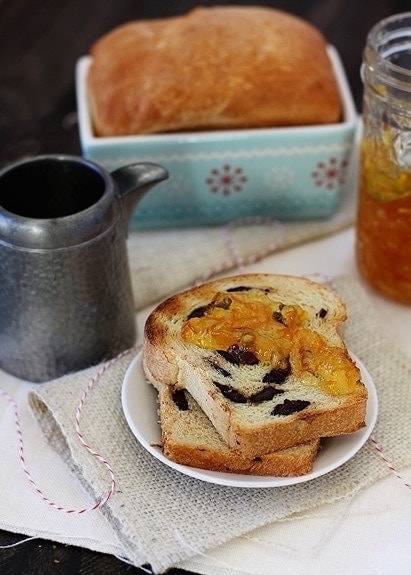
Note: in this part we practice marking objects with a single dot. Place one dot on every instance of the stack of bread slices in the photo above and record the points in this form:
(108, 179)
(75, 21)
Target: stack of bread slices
(251, 373)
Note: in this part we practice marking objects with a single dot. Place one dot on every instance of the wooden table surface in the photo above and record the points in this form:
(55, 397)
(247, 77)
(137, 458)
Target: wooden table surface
(39, 45)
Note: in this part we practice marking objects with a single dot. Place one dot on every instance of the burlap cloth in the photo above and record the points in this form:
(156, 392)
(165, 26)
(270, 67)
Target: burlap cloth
(163, 517)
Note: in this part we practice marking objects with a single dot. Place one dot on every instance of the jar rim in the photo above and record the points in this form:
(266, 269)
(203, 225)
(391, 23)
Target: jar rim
(388, 37)
(387, 42)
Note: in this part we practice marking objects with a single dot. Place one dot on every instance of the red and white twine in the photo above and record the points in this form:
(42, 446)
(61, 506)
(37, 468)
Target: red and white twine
(104, 497)
(238, 261)
(387, 462)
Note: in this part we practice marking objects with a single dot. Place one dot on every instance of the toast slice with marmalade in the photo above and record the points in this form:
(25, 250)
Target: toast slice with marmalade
(263, 358)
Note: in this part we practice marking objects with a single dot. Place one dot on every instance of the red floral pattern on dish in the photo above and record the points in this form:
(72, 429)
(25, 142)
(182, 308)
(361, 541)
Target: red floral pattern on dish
(330, 174)
(226, 180)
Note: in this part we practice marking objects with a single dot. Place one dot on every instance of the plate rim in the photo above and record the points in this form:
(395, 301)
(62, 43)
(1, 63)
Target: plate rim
(243, 480)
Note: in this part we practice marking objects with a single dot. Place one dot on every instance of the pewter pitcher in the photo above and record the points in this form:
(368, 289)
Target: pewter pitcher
(65, 290)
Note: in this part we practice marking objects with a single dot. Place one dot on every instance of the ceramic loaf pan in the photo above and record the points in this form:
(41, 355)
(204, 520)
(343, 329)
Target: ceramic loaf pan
(294, 173)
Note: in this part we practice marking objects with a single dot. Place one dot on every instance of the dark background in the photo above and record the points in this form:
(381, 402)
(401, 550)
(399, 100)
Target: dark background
(40, 42)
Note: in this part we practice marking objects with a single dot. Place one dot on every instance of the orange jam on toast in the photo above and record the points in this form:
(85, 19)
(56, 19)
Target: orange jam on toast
(275, 333)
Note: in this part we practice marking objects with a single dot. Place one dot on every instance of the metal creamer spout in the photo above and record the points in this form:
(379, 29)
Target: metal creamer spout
(134, 181)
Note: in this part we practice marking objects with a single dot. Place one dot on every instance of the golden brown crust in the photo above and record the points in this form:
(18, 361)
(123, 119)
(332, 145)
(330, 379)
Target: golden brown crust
(220, 67)
(285, 463)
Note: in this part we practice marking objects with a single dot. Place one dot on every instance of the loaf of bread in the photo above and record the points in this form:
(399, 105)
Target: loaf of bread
(213, 68)
(262, 356)
(189, 438)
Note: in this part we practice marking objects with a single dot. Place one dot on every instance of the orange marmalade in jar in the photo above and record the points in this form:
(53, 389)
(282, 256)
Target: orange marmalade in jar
(383, 234)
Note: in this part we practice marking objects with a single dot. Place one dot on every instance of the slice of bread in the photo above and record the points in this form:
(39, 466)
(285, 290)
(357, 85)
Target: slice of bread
(189, 438)
(262, 356)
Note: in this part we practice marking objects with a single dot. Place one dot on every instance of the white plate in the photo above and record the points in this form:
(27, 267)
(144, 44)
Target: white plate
(139, 400)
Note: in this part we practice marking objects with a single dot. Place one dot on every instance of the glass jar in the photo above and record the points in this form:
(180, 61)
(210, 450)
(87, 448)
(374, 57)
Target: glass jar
(383, 229)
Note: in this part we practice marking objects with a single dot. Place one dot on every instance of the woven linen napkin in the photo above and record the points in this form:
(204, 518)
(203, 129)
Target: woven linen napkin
(162, 517)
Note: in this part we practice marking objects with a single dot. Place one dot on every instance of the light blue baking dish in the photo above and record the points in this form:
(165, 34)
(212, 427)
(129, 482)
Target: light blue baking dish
(294, 173)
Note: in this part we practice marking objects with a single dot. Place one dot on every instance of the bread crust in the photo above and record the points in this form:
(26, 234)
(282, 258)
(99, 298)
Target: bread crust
(189, 438)
(251, 429)
(213, 68)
